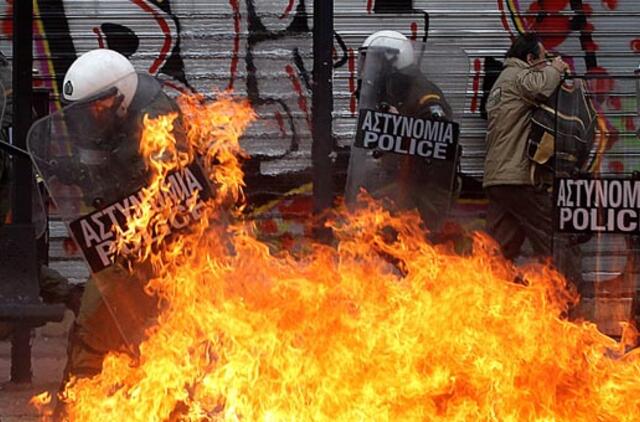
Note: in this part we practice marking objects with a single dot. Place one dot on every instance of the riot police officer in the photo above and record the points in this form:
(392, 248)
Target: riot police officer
(106, 102)
(391, 80)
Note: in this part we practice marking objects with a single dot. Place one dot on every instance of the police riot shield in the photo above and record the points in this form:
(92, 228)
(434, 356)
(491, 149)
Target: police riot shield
(38, 209)
(88, 154)
(596, 163)
(4, 158)
(3, 104)
(406, 151)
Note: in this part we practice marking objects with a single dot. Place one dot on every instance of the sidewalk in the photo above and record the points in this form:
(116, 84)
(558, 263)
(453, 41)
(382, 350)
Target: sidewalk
(48, 359)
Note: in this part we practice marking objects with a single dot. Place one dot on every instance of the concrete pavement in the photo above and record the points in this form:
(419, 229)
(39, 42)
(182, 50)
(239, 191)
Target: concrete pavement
(48, 359)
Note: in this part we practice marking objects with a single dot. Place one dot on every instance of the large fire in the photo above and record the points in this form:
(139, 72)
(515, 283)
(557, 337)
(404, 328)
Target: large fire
(379, 326)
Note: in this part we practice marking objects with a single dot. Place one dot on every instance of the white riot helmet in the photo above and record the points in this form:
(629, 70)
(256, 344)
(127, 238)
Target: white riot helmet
(395, 42)
(97, 70)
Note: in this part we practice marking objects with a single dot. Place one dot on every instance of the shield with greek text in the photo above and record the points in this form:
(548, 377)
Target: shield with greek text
(406, 151)
(593, 155)
(89, 155)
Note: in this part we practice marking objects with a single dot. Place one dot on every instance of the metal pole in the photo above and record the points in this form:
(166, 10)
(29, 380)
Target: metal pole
(22, 106)
(322, 104)
(41, 109)
(21, 354)
(22, 176)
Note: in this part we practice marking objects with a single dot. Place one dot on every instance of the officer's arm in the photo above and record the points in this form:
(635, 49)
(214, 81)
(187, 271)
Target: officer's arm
(537, 85)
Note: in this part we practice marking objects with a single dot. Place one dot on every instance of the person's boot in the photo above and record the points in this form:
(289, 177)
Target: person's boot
(74, 298)
(55, 288)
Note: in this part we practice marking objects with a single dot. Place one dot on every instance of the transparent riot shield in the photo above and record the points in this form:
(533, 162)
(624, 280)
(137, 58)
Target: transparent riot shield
(38, 210)
(406, 149)
(5, 193)
(88, 156)
(3, 104)
(596, 164)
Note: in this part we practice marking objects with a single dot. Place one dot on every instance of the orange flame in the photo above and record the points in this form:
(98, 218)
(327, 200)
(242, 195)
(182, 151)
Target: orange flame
(42, 402)
(376, 327)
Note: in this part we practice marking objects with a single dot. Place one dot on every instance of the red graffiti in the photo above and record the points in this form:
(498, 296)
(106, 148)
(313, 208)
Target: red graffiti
(176, 87)
(296, 207)
(267, 226)
(589, 45)
(414, 31)
(616, 166)
(614, 103)
(614, 136)
(352, 81)
(236, 42)
(477, 68)
(166, 45)
(297, 87)
(629, 124)
(635, 45)
(7, 21)
(610, 4)
(70, 247)
(547, 20)
(602, 84)
(96, 31)
(280, 121)
(287, 10)
(287, 241)
(369, 6)
(503, 19)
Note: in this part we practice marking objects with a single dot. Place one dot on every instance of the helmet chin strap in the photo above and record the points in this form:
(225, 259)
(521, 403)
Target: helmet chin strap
(121, 110)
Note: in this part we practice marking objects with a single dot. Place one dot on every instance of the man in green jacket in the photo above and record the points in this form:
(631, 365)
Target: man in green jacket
(520, 209)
